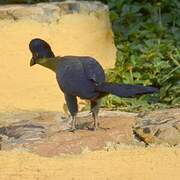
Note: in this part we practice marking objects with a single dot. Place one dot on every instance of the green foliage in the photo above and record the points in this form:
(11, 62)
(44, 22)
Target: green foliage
(147, 37)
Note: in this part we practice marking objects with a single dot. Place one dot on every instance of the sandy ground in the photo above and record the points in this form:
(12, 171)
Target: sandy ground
(122, 164)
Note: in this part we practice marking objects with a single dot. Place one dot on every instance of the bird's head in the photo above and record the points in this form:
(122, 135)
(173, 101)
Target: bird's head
(40, 50)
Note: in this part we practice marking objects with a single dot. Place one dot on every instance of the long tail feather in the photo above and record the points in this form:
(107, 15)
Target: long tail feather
(126, 90)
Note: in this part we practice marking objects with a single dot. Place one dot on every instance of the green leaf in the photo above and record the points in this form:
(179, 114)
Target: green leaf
(176, 100)
(147, 36)
(125, 9)
(113, 16)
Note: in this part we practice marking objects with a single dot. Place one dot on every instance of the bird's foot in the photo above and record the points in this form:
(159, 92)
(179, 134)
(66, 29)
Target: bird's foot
(100, 128)
(97, 128)
(73, 129)
(92, 128)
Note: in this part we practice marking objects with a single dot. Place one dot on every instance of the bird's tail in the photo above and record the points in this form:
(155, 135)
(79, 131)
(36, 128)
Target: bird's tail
(126, 90)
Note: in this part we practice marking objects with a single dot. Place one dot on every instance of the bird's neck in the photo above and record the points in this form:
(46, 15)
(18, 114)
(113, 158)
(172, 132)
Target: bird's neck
(50, 63)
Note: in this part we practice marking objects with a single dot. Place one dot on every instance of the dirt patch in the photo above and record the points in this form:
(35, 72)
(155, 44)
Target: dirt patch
(126, 163)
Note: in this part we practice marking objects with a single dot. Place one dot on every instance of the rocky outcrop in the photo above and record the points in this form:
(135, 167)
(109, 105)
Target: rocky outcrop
(50, 12)
(47, 133)
(78, 28)
(160, 127)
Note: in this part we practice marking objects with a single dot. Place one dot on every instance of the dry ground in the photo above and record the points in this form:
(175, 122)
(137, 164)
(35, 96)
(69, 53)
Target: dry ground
(123, 164)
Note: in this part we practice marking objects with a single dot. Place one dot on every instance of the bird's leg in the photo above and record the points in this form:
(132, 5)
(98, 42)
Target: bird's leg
(71, 102)
(95, 116)
(73, 127)
(95, 104)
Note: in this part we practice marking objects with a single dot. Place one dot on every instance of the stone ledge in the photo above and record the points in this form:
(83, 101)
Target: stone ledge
(159, 127)
(49, 12)
(46, 133)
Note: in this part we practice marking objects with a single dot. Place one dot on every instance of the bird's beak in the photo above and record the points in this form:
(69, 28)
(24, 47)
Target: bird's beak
(32, 62)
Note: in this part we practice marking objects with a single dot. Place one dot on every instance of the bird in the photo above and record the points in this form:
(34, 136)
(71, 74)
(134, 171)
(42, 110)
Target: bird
(83, 77)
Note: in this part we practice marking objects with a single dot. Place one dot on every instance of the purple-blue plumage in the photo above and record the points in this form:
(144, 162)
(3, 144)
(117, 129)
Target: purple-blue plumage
(81, 76)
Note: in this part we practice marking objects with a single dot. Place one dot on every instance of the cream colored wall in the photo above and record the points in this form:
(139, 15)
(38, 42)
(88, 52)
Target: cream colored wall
(35, 88)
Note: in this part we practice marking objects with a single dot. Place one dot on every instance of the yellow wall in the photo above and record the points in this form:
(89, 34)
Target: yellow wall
(35, 88)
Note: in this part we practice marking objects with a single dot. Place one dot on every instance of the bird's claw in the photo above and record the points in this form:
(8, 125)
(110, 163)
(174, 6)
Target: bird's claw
(72, 130)
(97, 128)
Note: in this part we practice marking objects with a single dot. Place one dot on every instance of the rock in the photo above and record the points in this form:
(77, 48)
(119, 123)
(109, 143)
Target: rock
(78, 28)
(46, 133)
(115, 130)
(169, 135)
(159, 127)
(50, 12)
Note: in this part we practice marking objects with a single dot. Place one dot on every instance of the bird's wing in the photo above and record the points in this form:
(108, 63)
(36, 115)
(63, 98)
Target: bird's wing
(93, 70)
